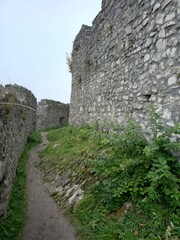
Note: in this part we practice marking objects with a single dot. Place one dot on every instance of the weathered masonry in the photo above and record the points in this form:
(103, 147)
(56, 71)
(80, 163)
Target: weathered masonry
(51, 114)
(128, 59)
(17, 120)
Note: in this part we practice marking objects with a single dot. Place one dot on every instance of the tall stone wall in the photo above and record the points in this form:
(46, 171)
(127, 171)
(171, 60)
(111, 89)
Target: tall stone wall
(128, 59)
(17, 119)
(51, 114)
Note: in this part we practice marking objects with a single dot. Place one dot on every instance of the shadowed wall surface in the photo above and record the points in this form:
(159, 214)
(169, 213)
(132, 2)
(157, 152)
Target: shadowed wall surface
(51, 114)
(17, 120)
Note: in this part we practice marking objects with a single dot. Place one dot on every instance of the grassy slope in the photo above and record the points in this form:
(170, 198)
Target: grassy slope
(118, 169)
(10, 229)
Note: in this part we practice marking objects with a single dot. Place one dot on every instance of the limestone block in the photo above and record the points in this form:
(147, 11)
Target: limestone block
(160, 18)
(146, 57)
(172, 80)
(170, 17)
(156, 7)
(167, 114)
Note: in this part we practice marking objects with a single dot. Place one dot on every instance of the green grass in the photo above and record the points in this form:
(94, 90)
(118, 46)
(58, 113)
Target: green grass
(69, 147)
(144, 220)
(118, 169)
(11, 227)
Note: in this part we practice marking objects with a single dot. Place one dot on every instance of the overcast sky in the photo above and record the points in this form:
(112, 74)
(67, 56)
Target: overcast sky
(34, 38)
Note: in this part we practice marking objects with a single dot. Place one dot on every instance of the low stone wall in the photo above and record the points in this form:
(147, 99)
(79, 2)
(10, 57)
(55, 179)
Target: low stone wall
(17, 120)
(51, 114)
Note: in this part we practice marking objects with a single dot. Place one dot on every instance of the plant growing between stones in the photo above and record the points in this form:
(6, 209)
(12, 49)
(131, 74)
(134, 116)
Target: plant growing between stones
(154, 118)
(69, 62)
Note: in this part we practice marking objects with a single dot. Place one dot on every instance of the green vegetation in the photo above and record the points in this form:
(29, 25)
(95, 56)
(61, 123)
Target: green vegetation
(131, 189)
(11, 227)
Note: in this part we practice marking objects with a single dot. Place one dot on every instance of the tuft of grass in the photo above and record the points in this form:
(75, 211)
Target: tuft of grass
(34, 137)
(11, 227)
(68, 148)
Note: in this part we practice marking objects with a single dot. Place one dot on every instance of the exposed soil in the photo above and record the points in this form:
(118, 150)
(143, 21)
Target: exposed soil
(44, 219)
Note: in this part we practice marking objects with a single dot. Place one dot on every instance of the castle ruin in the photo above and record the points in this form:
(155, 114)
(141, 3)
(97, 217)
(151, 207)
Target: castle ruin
(128, 59)
(51, 114)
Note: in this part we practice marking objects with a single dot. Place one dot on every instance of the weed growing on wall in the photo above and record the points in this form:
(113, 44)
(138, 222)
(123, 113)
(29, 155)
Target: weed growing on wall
(34, 137)
(69, 62)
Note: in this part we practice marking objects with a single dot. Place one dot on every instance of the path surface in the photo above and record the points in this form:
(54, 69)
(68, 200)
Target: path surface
(44, 220)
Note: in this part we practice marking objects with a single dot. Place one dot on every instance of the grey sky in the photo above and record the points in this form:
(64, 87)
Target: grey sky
(34, 38)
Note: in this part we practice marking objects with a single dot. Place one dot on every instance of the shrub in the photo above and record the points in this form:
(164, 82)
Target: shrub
(34, 137)
(133, 170)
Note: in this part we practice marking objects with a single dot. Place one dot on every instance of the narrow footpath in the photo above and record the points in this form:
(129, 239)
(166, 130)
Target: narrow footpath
(44, 220)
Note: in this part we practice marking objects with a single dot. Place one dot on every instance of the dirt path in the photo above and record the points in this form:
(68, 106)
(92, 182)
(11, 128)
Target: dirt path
(44, 220)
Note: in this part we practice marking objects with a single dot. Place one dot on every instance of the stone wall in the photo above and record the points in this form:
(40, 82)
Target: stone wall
(17, 119)
(51, 114)
(128, 59)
